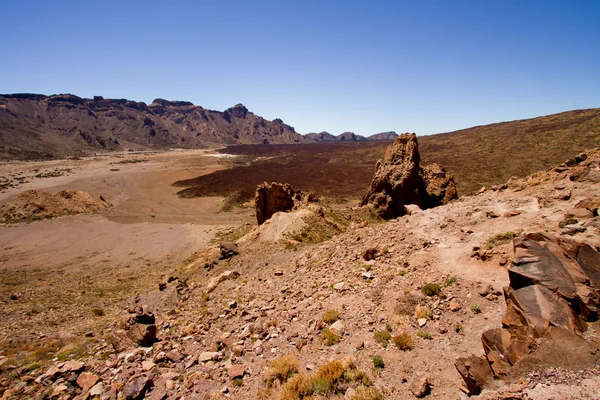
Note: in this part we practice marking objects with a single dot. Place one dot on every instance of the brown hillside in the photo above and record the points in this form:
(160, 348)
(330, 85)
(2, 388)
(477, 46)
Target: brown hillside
(491, 154)
(38, 126)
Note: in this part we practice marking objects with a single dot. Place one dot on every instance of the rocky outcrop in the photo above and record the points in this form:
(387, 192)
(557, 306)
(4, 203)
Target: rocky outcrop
(135, 329)
(399, 181)
(552, 300)
(275, 197)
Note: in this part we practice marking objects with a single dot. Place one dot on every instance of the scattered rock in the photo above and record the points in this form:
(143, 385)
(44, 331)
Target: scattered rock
(86, 380)
(136, 388)
(420, 387)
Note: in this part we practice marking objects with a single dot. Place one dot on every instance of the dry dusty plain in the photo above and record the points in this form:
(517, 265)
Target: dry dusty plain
(60, 278)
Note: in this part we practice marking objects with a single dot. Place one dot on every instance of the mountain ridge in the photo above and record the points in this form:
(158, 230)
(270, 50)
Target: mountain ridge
(36, 126)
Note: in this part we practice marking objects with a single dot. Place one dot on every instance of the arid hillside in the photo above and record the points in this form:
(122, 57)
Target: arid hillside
(491, 154)
(35, 126)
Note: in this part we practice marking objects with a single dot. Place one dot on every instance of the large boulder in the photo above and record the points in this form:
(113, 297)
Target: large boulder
(399, 180)
(439, 186)
(552, 300)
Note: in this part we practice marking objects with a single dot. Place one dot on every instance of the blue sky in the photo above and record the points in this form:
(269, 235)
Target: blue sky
(368, 66)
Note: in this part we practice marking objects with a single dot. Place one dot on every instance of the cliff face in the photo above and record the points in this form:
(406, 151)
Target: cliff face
(33, 126)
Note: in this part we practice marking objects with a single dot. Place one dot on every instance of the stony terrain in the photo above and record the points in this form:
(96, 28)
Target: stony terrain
(382, 310)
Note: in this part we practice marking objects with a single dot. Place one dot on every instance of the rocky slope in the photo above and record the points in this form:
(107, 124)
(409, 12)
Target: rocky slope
(35, 126)
(380, 311)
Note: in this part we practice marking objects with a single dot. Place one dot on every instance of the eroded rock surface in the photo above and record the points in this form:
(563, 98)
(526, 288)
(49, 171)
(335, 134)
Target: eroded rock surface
(399, 181)
(275, 197)
(551, 302)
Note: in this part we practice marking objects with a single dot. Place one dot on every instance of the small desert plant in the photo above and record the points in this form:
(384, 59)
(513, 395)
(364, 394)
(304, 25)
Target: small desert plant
(378, 362)
(475, 309)
(423, 312)
(298, 387)
(237, 382)
(330, 372)
(403, 341)
(331, 316)
(364, 393)
(320, 386)
(402, 273)
(97, 312)
(383, 337)
(458, 327)
(500, 238)
(330, 337)
(424, 335)
(450, 281)
(281, 369)
(431, 289)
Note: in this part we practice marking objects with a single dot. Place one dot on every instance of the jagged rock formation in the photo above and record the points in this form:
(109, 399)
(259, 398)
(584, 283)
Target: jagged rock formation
(276, 197)
(552, 300)
(399, 181)
(34, 126)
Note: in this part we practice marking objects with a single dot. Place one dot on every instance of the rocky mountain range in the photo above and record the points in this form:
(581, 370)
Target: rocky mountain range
(349, 136)
(34, 126)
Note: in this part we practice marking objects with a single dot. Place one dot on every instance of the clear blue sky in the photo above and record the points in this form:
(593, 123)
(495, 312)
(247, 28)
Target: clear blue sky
(370, 66)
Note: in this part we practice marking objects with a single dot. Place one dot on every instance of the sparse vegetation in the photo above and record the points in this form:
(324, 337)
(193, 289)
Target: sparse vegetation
(458, 327)
(475, 309)
(330, 316)
(431, 289)
(403, 341)
(450, 281)
(378, 362)
(330, 381)
(499, 239)
(424, 335)
(330, 337)
(281, 369)
(382, 337)
(423, 312)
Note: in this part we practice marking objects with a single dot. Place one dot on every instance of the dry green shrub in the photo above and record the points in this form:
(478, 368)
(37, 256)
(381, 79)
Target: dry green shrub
(424, 335)
(499, 239)
(383, 337)
(331, 316)
(331, 371)
(330, 337)
(378, 362)
(475, 309)
(423, 312)
(431, 289)
(367, 393)
(281, 369)
(330, 381)
(403, 341)
(298, 387)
